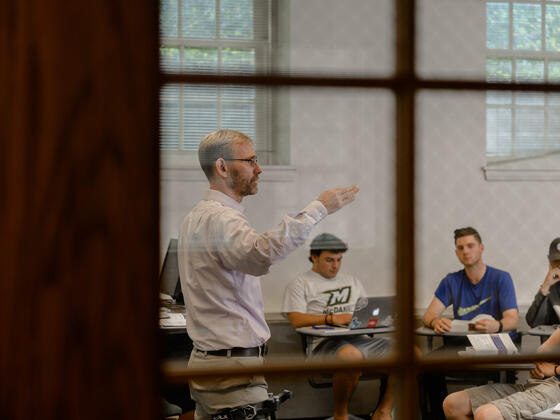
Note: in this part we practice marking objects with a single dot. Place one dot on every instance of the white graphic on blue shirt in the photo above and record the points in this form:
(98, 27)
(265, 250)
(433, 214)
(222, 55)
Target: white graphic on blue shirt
(469, 309)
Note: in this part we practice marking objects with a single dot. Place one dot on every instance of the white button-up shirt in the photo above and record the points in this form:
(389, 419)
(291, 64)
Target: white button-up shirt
(219, 255)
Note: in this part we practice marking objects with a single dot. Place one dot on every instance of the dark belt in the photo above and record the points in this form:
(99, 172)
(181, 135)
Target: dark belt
(238, 351)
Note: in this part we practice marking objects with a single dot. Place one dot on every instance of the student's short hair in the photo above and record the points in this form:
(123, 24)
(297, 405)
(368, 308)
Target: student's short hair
(326, 242)
(218, 144)
(466, 231)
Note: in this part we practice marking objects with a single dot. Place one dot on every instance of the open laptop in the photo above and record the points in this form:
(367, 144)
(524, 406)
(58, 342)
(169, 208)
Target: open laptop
(373, 312)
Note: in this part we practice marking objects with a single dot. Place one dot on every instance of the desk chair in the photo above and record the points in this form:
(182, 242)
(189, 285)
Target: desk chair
(322, 381)
(325, 380)
(264, 410)
(171, 410)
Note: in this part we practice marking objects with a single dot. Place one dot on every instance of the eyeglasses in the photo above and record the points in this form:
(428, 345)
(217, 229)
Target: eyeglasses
(252, 162)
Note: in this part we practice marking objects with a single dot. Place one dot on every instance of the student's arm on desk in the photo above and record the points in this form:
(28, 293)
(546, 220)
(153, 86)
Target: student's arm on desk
(298, 319)
(546, 369)
(509, 322)
(432, 317)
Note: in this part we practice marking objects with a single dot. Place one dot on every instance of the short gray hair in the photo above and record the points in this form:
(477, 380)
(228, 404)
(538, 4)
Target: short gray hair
(218, 144)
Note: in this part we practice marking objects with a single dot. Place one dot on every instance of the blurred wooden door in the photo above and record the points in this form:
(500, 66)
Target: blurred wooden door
(78, 209)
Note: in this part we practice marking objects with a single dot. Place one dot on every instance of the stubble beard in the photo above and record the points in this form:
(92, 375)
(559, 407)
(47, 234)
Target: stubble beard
(242, 186)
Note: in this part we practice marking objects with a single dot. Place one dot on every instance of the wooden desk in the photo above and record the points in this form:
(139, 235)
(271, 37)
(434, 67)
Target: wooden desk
(547, 415)
(326, 331)
(502, 368)
(429, 333)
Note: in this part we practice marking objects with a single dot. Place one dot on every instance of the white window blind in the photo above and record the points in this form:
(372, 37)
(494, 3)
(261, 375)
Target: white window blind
(523, 45)
(213, 37)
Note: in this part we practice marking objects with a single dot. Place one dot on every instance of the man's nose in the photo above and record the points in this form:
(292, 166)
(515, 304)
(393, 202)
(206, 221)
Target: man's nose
(258, 168)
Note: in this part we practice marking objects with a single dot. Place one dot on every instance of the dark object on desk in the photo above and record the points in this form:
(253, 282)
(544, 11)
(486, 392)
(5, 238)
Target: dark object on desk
(263, 410)
(169, 281)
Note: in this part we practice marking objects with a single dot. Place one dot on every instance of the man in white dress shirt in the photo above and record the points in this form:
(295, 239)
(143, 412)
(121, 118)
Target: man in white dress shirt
(219, 255)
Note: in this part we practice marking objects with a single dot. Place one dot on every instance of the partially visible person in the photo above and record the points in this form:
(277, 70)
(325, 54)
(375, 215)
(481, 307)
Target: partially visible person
(219, 256)
(476, 289)
(324, 295)
(545, 309)
(511, 401)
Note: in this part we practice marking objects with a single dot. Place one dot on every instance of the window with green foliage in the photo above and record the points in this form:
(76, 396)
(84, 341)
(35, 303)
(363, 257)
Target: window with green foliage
(212, 37)
(523, 45)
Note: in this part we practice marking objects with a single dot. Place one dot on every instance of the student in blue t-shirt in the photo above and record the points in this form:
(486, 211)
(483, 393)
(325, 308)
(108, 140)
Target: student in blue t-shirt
(477, 289)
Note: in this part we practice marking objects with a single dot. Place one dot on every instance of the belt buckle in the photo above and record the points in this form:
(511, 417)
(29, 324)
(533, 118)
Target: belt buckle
(264, 349)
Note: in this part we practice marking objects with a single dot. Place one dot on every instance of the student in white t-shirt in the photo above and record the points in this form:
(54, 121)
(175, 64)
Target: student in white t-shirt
(324, 296)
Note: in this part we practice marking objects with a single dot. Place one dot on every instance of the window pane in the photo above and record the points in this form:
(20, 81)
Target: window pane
(238, 92)
(236, 19)
(527, 27)
(530, 71)
(169, 118)
(200, 60)
(199, 18)
(498, 132)
(554, 77)
(497, 25)
(196, 92)
(238, 60)
(170, 59)
(529, 131)
(199, 118)
(554, 129)
(552, 28)
(498, 70)
(239, 116)
(168, 17)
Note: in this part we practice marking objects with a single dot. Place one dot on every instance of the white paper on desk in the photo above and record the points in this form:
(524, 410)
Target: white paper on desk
(173, 320)
(556, 409)
(484, 343)
(460, 325)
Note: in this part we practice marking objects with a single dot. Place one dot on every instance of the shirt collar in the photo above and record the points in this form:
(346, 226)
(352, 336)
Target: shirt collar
(226, 200)
(320, 277)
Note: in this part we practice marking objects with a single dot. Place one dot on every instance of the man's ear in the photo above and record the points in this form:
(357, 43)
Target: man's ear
(221, 168)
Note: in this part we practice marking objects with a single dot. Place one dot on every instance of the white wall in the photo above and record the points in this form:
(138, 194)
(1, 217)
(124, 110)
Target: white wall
(339, 137)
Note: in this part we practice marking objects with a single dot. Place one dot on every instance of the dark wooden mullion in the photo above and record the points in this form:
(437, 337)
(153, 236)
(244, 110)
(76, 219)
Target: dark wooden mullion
(79, 226)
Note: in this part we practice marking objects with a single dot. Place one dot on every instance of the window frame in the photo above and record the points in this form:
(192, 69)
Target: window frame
(514, 55)
(261, 43)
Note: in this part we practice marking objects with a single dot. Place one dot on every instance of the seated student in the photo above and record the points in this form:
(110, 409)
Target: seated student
(545, 309)
(510, 401)
(325, 296)
(476, 289)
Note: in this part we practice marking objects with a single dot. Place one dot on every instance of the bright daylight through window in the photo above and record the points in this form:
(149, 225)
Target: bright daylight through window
(523, 45)
(212, 37)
